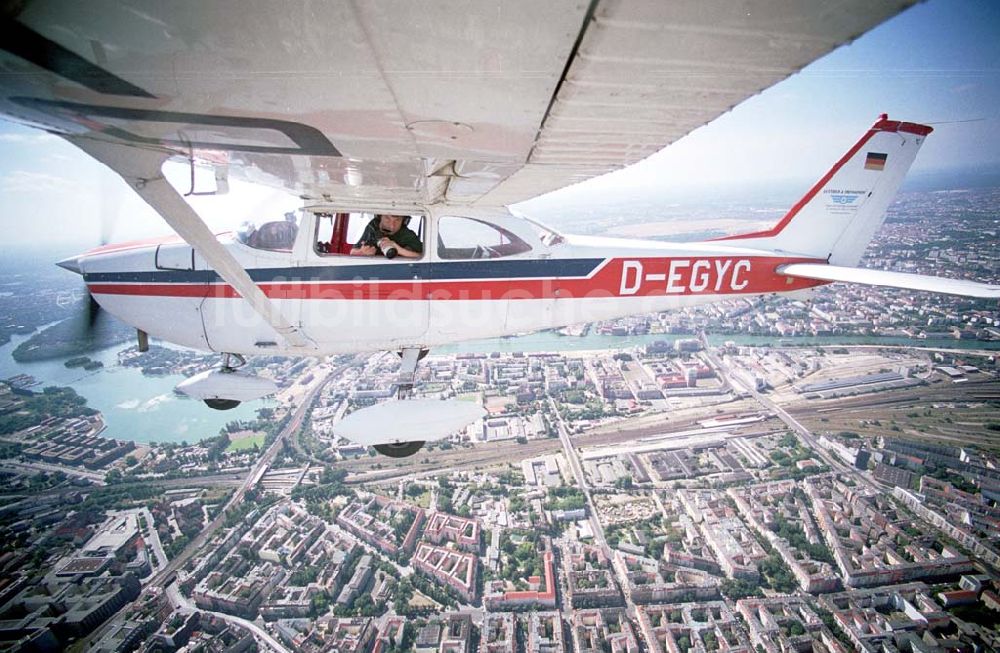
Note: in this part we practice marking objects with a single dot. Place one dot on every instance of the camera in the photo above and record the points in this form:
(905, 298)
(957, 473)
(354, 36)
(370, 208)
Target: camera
(390, 251)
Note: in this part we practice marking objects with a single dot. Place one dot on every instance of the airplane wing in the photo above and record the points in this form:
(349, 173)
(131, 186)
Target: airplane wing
(404, 102)
(892, 279)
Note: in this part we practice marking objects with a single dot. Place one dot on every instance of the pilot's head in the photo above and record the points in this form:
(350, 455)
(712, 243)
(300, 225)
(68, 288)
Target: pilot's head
(390, 224)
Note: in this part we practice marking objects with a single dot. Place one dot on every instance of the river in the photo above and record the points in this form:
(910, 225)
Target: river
(145, 409)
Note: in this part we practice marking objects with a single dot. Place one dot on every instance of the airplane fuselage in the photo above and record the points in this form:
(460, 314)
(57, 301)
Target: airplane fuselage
(349, 303)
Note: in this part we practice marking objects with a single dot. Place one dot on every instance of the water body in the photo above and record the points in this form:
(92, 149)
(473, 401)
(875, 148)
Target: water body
(145, 409)
(135, 407)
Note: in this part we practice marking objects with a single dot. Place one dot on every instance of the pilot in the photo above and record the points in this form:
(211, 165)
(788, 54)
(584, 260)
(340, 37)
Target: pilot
(386, 234)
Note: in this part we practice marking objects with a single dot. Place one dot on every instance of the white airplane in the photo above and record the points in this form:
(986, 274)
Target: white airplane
(445, 113)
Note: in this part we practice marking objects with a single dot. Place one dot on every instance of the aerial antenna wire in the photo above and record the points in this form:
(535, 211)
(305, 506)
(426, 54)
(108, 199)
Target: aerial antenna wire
(956, 122)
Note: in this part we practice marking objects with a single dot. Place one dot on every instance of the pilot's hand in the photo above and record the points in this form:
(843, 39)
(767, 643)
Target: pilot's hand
(386, 243)
(368, 250)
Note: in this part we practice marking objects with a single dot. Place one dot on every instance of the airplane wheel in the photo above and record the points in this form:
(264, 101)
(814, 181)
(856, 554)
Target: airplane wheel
(401, 450)
(222, 404)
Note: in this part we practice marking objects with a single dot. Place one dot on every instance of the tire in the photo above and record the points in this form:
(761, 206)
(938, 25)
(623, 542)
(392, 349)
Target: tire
(401, 450)
(222, 404)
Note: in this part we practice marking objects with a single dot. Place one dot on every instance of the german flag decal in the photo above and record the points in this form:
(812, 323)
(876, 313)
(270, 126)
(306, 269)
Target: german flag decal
(875, 161)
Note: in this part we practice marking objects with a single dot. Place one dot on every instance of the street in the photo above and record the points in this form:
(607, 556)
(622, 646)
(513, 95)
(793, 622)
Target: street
(255, 473)
(599, 537)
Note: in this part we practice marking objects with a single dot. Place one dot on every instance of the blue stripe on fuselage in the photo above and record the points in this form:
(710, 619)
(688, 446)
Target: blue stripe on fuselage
(488, 269)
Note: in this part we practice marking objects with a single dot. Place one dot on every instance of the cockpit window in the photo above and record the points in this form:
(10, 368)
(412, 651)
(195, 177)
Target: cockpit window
(345, 233)
(469, 238)
(274, 236)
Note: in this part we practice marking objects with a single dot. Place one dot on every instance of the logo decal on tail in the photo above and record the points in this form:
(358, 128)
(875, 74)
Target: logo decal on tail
(843, 202)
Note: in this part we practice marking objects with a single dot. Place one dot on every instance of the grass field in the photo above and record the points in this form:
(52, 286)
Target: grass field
(423, 500)
(422, 601)
(246, 443)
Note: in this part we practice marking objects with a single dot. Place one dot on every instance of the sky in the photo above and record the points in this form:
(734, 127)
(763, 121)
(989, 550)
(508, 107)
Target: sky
(937, 63)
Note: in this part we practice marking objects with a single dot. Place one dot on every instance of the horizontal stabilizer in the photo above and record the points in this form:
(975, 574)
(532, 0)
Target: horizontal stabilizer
(892, 279)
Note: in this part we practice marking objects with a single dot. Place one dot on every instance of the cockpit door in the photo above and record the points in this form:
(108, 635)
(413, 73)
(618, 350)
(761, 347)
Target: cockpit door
(356, 302)
(230, 324)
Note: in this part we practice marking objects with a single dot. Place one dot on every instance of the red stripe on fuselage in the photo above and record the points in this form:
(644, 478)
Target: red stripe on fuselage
(620, 277)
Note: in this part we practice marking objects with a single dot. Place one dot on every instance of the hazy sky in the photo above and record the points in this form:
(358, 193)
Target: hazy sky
(937, 63)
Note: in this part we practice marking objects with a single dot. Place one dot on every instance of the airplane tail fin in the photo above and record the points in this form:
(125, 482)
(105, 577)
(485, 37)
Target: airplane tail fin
(838, 217)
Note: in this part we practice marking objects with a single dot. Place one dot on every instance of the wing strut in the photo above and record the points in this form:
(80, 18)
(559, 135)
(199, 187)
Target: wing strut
(142, 169)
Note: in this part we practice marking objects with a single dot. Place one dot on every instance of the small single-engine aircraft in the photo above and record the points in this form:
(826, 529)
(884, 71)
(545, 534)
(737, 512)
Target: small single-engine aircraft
(429, 117)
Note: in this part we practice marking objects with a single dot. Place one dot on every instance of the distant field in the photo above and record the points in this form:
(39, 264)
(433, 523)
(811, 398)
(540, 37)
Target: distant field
(674, 227)
(246, 443)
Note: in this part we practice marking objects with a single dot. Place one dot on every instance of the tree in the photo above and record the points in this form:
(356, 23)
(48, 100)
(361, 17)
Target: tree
(736, 589)
(319, 605)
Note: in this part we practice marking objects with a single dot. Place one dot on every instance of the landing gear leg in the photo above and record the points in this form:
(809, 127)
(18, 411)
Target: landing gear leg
(228, 367)
(408, 371)
(404, 390)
